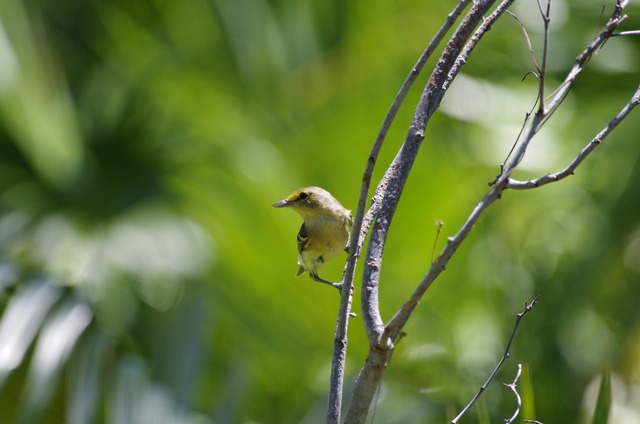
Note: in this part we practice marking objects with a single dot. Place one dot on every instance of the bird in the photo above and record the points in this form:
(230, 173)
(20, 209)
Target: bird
(325, 232)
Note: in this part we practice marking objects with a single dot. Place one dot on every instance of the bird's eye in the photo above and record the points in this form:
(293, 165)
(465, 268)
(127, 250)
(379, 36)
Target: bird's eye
(303, 196)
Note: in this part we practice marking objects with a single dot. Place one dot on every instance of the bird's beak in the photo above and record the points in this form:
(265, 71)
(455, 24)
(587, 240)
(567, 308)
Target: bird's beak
(281, 204)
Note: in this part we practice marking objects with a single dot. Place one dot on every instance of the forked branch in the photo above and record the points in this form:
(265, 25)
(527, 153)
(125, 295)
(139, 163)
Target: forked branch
(527, 308)
(363, 222)
(590, 147)
(378, 218)
(395, 326)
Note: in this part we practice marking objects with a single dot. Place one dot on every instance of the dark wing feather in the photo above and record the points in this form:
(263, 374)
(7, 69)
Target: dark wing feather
(303, 239)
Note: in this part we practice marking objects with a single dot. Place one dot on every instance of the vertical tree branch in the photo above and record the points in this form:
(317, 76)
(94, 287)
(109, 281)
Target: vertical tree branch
(546, 19)
(394, 328)
(390, 189)
(398, 172)
(362, 224)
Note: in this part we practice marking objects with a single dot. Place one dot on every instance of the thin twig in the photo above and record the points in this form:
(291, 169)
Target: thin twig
(514, 389)
(528, 307)
(528, 40)
(546, 19)
(624, 33)
(590, 147)
(527, 116)
(439, 225)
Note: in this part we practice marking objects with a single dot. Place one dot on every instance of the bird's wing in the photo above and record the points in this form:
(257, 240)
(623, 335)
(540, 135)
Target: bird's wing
(303, 238)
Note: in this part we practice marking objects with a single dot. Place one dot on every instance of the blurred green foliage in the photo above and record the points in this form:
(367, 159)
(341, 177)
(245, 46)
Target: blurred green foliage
(147, 279)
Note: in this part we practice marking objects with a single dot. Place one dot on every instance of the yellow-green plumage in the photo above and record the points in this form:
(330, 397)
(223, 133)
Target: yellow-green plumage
(325, 231)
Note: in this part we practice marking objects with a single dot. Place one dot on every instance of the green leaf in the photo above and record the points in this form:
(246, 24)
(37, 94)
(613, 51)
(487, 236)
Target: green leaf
(601, 414)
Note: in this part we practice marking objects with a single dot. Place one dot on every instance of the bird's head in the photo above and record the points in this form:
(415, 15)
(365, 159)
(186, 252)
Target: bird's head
(310, 202)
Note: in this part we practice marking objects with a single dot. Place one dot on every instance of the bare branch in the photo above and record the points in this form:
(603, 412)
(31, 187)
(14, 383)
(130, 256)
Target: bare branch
(392, 183)
(590, 147)
(394, 327)
(362, 223)
(389, 191)
(528, 307)
(542, 115)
